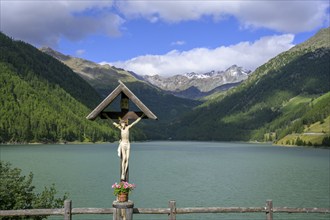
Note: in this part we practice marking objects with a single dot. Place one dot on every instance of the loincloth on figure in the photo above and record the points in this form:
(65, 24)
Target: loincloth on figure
(124, 146)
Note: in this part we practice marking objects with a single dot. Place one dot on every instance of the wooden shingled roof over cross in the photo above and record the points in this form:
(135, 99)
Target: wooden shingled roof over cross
(124, 114)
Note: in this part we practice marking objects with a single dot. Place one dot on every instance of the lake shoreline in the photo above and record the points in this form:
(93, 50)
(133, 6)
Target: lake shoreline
(100, 142)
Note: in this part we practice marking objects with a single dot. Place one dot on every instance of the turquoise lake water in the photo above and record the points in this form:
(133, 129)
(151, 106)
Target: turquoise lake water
(195, 174)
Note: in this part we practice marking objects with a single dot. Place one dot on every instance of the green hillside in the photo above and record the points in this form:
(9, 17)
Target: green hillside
(42, 100)
(313, 128)
(272, 103)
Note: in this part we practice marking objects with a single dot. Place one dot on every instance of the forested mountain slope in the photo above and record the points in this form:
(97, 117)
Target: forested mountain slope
(42, 100)
(258, 108)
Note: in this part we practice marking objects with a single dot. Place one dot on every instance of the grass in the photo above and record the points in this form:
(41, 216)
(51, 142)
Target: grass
(319, 127)
(291, 139)
(292, 104)
(313, 134)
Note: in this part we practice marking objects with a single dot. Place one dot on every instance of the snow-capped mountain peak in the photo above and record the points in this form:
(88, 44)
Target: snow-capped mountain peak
(193, 75)
(203, 81)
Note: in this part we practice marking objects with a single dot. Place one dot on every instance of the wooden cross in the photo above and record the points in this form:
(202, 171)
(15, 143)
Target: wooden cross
(124, 113)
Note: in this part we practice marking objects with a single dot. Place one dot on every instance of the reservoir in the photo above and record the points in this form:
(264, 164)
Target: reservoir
(194, 174)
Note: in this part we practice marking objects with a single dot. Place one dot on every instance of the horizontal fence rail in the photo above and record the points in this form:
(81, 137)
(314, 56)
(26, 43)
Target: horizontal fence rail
(172, 211)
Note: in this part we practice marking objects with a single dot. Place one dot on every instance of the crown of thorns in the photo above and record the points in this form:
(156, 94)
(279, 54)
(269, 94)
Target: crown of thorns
(123, 120)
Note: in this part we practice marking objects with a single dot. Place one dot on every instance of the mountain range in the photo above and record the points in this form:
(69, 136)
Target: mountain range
(189, 85)
(197, 85)
(45, 97)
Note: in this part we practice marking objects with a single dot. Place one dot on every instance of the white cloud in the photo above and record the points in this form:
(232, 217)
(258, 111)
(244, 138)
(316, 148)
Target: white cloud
(43, 22)
(249, 55)
(80, 52)
(284, 16)
(178, 43)
(46, 22)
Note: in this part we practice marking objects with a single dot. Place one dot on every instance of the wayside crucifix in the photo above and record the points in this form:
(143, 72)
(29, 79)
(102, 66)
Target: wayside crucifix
(124, 115)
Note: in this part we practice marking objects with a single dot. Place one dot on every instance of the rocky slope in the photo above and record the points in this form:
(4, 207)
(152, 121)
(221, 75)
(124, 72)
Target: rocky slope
(101, 77)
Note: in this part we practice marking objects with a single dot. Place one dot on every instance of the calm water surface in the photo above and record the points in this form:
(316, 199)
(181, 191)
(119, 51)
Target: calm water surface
(195, 174)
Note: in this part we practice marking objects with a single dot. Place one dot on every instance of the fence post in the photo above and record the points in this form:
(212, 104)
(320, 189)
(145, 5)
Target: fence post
(67, 210)
(172, 206)
(269, 210)
(123, 210)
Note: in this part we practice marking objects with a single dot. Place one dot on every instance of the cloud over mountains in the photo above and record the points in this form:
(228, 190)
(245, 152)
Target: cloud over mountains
(201, 60)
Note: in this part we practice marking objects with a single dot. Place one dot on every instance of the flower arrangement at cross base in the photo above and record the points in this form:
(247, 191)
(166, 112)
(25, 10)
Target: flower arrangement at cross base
(122, 189)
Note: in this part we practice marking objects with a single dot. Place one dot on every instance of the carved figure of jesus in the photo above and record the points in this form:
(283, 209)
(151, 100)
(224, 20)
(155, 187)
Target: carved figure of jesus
(124, 144)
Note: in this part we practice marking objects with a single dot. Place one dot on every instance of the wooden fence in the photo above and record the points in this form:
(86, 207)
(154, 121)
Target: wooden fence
(171, 211)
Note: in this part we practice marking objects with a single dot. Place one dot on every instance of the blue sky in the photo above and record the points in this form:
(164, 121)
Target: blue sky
(166, 37)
